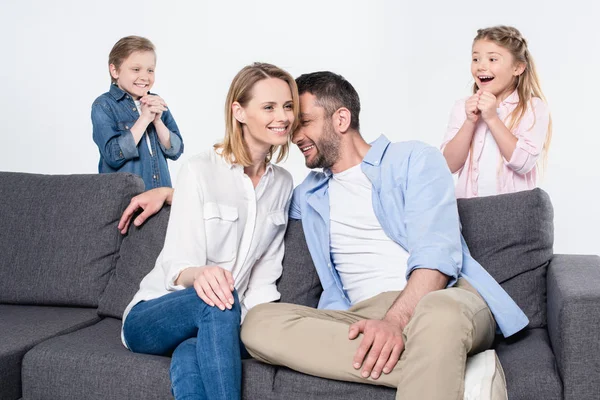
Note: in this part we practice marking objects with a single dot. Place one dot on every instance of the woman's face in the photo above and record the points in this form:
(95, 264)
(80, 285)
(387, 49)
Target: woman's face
(268, 117)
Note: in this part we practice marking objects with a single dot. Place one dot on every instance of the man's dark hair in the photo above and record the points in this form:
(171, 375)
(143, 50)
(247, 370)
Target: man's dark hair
(332, 92)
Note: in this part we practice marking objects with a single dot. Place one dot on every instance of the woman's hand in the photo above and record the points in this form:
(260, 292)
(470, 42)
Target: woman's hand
(214, 286)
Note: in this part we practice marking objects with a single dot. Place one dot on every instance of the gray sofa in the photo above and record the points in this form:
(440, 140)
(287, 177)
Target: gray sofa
(66, 275)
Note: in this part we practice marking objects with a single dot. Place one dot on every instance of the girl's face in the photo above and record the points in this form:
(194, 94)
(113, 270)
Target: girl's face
(494, 68)
(269, 115)
(136, 74)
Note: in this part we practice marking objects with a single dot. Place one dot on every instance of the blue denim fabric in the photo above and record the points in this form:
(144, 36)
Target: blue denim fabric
(113, 114)
(205, 341)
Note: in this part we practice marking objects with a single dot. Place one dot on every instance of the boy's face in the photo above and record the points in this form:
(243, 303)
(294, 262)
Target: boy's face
(136, 74)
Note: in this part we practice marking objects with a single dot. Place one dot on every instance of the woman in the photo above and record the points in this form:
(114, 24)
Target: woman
(224, 242)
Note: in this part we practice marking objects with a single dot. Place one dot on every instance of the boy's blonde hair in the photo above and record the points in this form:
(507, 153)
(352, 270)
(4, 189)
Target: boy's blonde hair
(124, 48)
(233, 147)
(527, 84)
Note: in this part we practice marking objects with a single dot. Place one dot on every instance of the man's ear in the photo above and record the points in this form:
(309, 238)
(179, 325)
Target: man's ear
(238, 112)
(342, 119)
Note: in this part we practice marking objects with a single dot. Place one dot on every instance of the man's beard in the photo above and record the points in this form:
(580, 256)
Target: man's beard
(328, 149)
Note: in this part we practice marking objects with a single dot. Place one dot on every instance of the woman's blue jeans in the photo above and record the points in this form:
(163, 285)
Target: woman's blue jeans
(204, 341)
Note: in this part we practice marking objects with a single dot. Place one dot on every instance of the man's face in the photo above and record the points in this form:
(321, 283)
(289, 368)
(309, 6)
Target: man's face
(315, 135)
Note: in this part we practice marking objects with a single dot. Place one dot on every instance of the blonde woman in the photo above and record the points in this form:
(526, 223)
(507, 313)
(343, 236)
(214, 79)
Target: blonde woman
(224, 244)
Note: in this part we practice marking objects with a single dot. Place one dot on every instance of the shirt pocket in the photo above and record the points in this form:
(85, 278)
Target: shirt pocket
(275, 221)
(220, 222)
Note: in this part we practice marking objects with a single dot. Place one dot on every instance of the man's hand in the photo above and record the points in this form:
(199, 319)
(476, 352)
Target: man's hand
(383, 342)
(150, 201)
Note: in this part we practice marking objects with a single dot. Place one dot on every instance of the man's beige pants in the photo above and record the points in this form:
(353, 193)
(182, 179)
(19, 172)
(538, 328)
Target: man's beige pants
(447, 325)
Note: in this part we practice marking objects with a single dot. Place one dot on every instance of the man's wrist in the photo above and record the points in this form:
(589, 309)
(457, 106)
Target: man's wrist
(397, 318)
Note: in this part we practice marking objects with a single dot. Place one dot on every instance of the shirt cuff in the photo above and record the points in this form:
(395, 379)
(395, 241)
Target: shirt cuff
(127, 146)
(175, 146)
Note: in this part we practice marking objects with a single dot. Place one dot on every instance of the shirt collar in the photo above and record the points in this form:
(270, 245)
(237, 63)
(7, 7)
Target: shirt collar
(377, 150)
(116, 92)
(373, 156)
(268, 169)
(119, 94)
(513, 98)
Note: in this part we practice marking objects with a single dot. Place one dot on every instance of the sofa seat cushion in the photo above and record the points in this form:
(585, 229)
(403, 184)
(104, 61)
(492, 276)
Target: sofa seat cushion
(529, 366)
(512, 235)
(59, 235)
(23, 327)
(92, 363)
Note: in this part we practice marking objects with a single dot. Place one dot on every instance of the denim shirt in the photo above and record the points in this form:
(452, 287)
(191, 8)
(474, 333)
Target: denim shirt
(413, 199)
(113, 115)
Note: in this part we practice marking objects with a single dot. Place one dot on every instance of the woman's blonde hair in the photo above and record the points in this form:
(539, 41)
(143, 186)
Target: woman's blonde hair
(233, 148)
(527, 83)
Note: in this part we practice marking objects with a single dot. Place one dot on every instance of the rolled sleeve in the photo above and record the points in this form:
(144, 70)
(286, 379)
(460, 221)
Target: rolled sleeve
(176, 149)
(185, 240)
(457, 119)
(531, 135)
(295, 212)
(127, 146)
(431, 216)
(116, 146)
(262, 287)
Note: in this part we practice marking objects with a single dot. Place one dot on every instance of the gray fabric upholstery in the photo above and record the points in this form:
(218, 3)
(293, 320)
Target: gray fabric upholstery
(93, 364)
(294, 385)
(22, 327)
(574, 323)
(511, 235)
(257, 380)
(299, 282)
(137, 257)
(530, 367)
(59, 236)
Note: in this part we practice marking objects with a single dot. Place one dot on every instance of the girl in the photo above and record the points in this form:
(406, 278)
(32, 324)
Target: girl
(495, 137)
(133, 129)
(224, 243)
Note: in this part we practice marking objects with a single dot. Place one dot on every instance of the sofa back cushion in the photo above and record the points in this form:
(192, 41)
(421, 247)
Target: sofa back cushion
(139, 251)
(512, 235)
(299, 282)
(59, 235)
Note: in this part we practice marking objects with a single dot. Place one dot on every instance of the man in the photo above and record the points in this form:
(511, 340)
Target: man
(382, 227)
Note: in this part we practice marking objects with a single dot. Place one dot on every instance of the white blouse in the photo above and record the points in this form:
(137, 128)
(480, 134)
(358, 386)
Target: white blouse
(219, 218)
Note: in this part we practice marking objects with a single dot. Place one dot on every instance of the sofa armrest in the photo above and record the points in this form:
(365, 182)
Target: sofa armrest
(574, 322)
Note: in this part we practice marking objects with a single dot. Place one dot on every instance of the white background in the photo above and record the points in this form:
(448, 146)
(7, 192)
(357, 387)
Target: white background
(409, 61)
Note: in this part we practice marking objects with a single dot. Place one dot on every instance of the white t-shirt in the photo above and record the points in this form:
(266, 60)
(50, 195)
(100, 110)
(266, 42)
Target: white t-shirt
(367, 260)
(487, 182)
(138, 105)
(219, 218)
